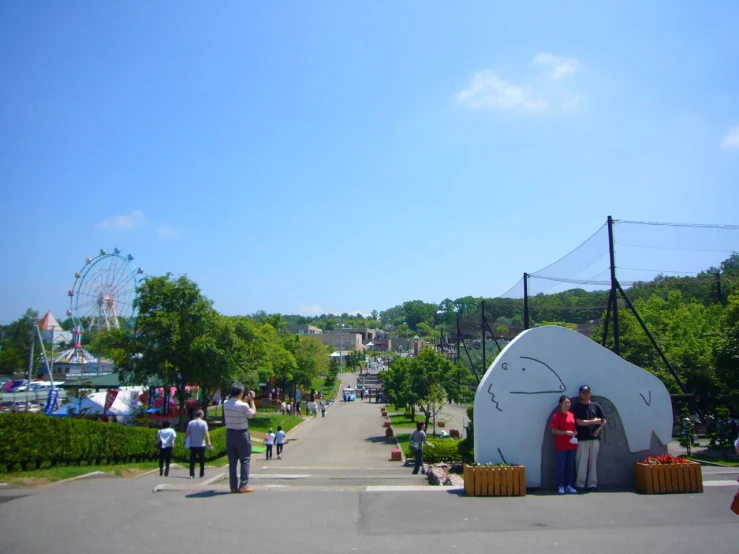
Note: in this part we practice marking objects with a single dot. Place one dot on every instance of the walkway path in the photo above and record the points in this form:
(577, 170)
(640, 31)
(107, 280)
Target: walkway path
(346, 450)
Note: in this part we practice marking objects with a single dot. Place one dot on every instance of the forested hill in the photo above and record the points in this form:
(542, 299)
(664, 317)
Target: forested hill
(571, 306)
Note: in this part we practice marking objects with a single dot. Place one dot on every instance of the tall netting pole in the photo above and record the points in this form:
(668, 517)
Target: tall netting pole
(482, 325)
(525, 301)
(457, 360)
(614, 284)
(718, 289)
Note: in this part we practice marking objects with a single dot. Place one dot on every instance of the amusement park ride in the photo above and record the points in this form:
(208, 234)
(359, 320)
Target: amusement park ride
(101, 298)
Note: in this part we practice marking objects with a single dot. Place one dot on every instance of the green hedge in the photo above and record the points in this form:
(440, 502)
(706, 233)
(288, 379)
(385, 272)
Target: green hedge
(29, 440)
(445, 450)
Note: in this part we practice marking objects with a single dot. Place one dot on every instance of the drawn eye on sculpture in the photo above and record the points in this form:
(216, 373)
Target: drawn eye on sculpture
(539, 379)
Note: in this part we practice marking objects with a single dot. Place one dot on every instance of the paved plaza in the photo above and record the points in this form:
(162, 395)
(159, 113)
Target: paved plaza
(335, 490)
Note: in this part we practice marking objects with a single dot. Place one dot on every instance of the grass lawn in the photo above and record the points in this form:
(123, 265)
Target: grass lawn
(318, 383)
(403, 440)
(400, 420)
(720, 461)
(259, 425)
(40, 477)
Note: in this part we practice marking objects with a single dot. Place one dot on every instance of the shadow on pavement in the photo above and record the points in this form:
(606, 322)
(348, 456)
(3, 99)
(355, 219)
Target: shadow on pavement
(207, 494)
(379, 439)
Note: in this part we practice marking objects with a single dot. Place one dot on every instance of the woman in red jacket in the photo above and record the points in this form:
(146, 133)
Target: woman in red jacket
(563, 427)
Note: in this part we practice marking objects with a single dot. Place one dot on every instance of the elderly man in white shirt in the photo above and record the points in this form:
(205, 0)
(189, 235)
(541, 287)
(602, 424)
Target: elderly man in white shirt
(237, 414)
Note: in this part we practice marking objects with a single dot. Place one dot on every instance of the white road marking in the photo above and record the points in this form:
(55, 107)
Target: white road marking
(725, 483)
(412, 488)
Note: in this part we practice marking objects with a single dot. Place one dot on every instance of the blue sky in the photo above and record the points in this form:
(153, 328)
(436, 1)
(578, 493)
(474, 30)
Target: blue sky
(304, 157)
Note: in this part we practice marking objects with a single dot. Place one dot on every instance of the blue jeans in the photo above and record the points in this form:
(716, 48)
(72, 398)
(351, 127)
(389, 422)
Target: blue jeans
(418, 461)
(566, 468)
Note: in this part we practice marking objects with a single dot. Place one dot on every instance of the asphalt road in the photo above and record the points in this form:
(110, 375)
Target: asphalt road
(317, 499)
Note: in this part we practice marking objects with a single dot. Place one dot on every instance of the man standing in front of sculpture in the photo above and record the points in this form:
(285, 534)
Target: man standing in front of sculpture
(590, 420)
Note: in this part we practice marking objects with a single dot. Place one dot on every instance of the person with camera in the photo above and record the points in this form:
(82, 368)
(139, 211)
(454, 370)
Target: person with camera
(237, 411)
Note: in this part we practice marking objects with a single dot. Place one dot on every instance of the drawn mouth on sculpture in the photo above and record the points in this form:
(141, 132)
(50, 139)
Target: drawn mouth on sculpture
(545, 379)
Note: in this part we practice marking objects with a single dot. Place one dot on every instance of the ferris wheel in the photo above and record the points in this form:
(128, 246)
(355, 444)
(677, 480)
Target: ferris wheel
(104, 291)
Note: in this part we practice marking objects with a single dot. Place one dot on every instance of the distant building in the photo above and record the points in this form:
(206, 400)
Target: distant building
(52, 332)
(304, 329)
(347, 340)
(368, 335)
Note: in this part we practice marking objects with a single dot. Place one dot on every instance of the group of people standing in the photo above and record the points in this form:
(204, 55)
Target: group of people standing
(311, 408)
(577, 431)
(196, 437)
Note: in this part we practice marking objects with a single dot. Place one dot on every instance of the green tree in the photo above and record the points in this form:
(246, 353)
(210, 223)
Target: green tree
(727, 350)
(16, 344)
(685, 332)
(417, 311)
(173, 334)
(428, 381)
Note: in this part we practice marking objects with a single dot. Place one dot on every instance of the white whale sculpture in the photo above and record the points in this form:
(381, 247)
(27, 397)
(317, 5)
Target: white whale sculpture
(521, 388)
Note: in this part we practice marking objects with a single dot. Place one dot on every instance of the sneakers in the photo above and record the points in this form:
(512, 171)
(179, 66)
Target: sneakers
(561, 490)
(592, 489)
(192, 477)
(245, 490)
(570, 490)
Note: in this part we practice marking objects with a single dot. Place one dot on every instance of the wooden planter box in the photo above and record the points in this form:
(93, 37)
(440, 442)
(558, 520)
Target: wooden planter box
(668, 478)
(387, 423)
(441, 424)
(389, 434)
(395, 455)
(495, 481)
(383, 413)
(454, 433)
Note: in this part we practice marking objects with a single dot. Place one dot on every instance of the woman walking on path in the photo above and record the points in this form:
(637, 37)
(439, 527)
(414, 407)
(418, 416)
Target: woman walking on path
(197, 432)
(417, 442)
(563, 428)
(280, 441)
(269, 440)
(165, 441)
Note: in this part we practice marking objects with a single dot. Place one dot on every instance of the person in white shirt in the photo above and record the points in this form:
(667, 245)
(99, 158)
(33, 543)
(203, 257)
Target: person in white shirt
(315, 409)
(165, 440)
(238, 443)
(269, 440)
(280, 441)
(197, 432)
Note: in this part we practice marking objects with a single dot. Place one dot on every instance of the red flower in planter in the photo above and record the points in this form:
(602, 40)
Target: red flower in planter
(665, 459)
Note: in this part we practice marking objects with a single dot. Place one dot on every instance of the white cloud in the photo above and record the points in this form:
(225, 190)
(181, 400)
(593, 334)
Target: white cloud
(559, 66)
(125, 222)
(359, 312)
(165, 232)
(731, 140)
(487, 91)
(546, 91)
(309, 309)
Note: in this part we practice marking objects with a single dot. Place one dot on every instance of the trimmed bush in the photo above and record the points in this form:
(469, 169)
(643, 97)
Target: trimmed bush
(445, 450)
(217, 437)
(29, 440)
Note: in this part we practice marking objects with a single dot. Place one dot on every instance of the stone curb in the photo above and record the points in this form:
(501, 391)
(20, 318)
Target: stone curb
(92, 474)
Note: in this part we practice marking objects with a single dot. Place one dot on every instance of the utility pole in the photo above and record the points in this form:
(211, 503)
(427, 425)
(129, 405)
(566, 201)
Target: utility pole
(30, 362)
(341, 346)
